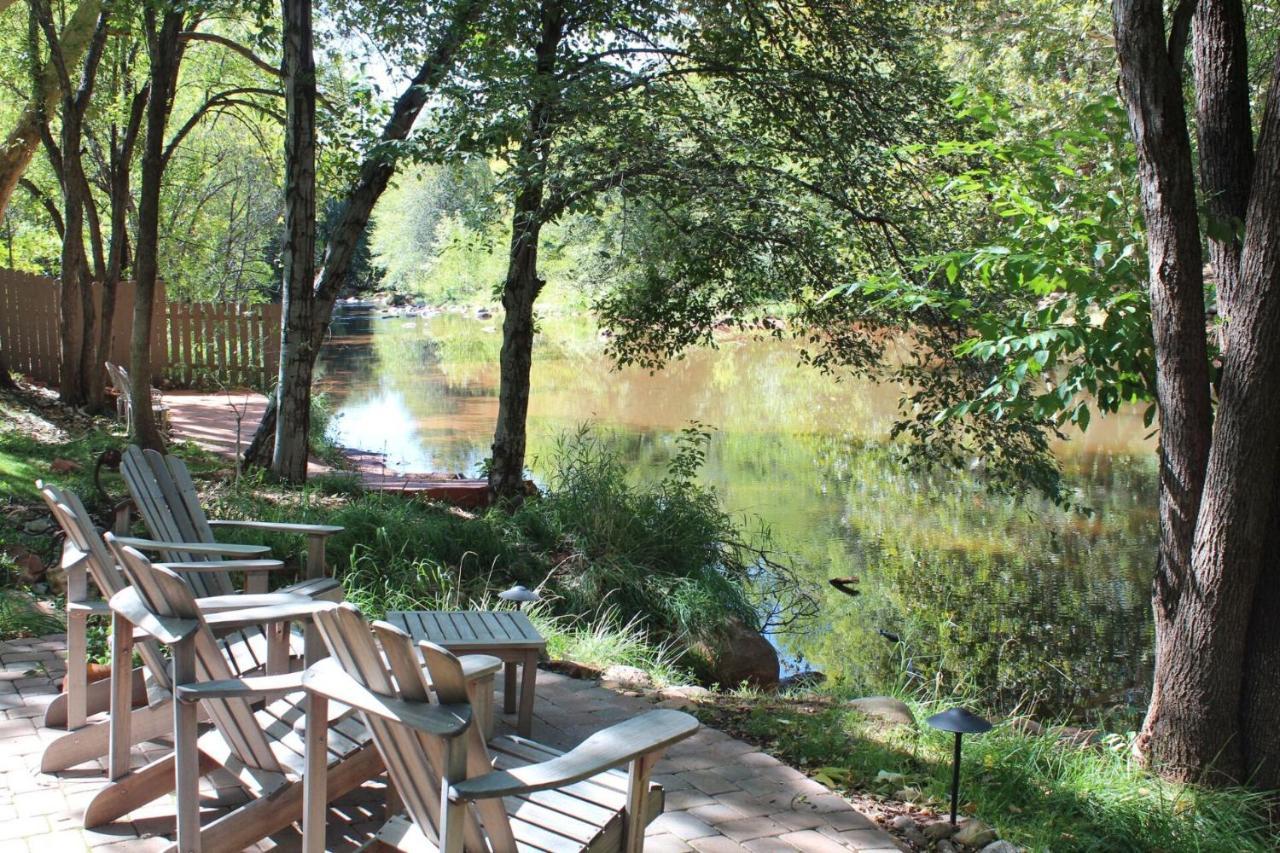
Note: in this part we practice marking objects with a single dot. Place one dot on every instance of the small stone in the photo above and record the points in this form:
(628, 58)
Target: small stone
(916, 838)
(884, 776)
(626, 678)
(902, 823)
(945, 846)
(909, 795)
(974, 833)
(885, 708)
(38, 527)
(940, 830)
(678, 704)
(1001, 847)
(691, 692)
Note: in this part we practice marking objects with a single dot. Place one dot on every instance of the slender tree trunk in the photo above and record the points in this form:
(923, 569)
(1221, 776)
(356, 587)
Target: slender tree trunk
(1225, 137)
(293, 390)
(506, 466)
(6, 381)
(375, 174)
(165, 52)
(20, 146)
(522, 286)
(119, 168)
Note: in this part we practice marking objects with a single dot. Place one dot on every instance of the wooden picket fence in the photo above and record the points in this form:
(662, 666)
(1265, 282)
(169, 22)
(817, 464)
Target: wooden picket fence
(192, 344)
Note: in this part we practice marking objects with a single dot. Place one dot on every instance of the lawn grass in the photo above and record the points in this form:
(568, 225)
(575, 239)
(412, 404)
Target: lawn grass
(1035, 789)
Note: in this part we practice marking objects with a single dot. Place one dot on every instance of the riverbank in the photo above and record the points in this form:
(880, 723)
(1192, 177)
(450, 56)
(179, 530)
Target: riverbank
(1035, 789)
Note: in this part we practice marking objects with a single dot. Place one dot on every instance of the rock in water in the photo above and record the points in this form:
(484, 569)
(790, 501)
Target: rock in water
(737, 654)
(885, 708)
(974, 833)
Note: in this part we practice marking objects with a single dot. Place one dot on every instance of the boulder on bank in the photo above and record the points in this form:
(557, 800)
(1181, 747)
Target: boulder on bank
(738, 653)
(885, 708)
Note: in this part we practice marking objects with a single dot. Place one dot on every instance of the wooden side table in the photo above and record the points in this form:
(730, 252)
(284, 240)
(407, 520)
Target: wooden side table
(505, 634)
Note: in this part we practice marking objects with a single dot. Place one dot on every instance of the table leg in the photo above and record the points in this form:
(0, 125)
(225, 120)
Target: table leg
(509, 687)
(529, 680)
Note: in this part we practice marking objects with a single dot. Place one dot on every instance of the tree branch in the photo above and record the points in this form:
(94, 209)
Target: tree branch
(236, 47)
(1179, 31)
(222, 99)
(48, 204)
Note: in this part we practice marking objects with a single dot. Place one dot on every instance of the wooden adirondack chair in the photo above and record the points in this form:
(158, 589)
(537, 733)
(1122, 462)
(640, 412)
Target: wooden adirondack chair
(166, 498)
(124, 398)
(85, 557)
(538, 799)
(257, 733)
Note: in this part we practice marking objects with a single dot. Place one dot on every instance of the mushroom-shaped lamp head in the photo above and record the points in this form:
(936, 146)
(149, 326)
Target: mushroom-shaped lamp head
(520, 594)
(959, 720)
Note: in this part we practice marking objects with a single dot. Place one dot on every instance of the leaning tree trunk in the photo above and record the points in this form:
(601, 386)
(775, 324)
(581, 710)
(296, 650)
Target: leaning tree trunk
(21, 143)
(375, 174)
(293, 390)
(1178, 732)
(164, 50)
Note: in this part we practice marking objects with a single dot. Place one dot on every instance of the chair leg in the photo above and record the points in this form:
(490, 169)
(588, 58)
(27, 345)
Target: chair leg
(94, 740)
(135, 789)
(528, 683)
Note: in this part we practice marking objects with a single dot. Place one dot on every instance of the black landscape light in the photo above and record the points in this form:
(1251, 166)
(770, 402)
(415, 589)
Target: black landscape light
(520, 594)
(962, 722)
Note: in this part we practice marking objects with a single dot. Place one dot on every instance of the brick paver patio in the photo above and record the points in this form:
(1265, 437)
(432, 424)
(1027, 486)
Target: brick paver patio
(722, 795)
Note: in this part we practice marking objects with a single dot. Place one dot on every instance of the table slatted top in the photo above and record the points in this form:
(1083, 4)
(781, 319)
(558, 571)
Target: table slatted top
(469, 628)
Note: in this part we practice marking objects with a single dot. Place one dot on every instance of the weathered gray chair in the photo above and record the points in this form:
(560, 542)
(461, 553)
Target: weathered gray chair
(257, 734)
(167, 501)
(124, 398)
(145, 691)
(536, 799)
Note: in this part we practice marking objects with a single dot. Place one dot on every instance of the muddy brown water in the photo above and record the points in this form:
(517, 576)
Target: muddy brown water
(1021, 605)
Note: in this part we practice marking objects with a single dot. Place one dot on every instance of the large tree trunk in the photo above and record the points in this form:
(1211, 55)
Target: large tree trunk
(1174, 734)
(375, 175)
(1224, 133)
(1204, 720)
(293, 390)
(165, 52)
(20, 145)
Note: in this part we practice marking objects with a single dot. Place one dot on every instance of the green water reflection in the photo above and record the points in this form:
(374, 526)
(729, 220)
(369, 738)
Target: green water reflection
(1026, 604)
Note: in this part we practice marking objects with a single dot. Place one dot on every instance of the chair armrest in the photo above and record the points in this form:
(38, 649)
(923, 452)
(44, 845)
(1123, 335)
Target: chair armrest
(225, 566)
(328, 679)
(280, 527)
(476, 666)
(166, 629)
(194, 547)
(254, 687)
(230, 620)
(615, 746)
(243, 601)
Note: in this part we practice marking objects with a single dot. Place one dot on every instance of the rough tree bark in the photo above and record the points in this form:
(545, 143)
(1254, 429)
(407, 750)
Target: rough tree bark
(375, 174)
(293, 388)
(1218, 478)
(522, 285)
(21, 143)
(165, 52)
(1224, 135)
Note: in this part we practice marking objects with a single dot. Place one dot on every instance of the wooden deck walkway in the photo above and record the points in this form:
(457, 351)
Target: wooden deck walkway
(209, 420)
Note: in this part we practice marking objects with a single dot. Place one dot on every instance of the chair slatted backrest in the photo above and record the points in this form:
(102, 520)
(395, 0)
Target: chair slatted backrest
(163, 593)
(83, 538)
(414, 759)
(166, 498)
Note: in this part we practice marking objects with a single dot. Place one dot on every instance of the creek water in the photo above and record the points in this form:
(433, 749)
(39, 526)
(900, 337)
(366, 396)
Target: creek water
(1026, 605)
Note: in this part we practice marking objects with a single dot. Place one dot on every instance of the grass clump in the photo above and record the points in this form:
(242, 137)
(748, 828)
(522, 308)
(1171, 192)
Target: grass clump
(1038, 790)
